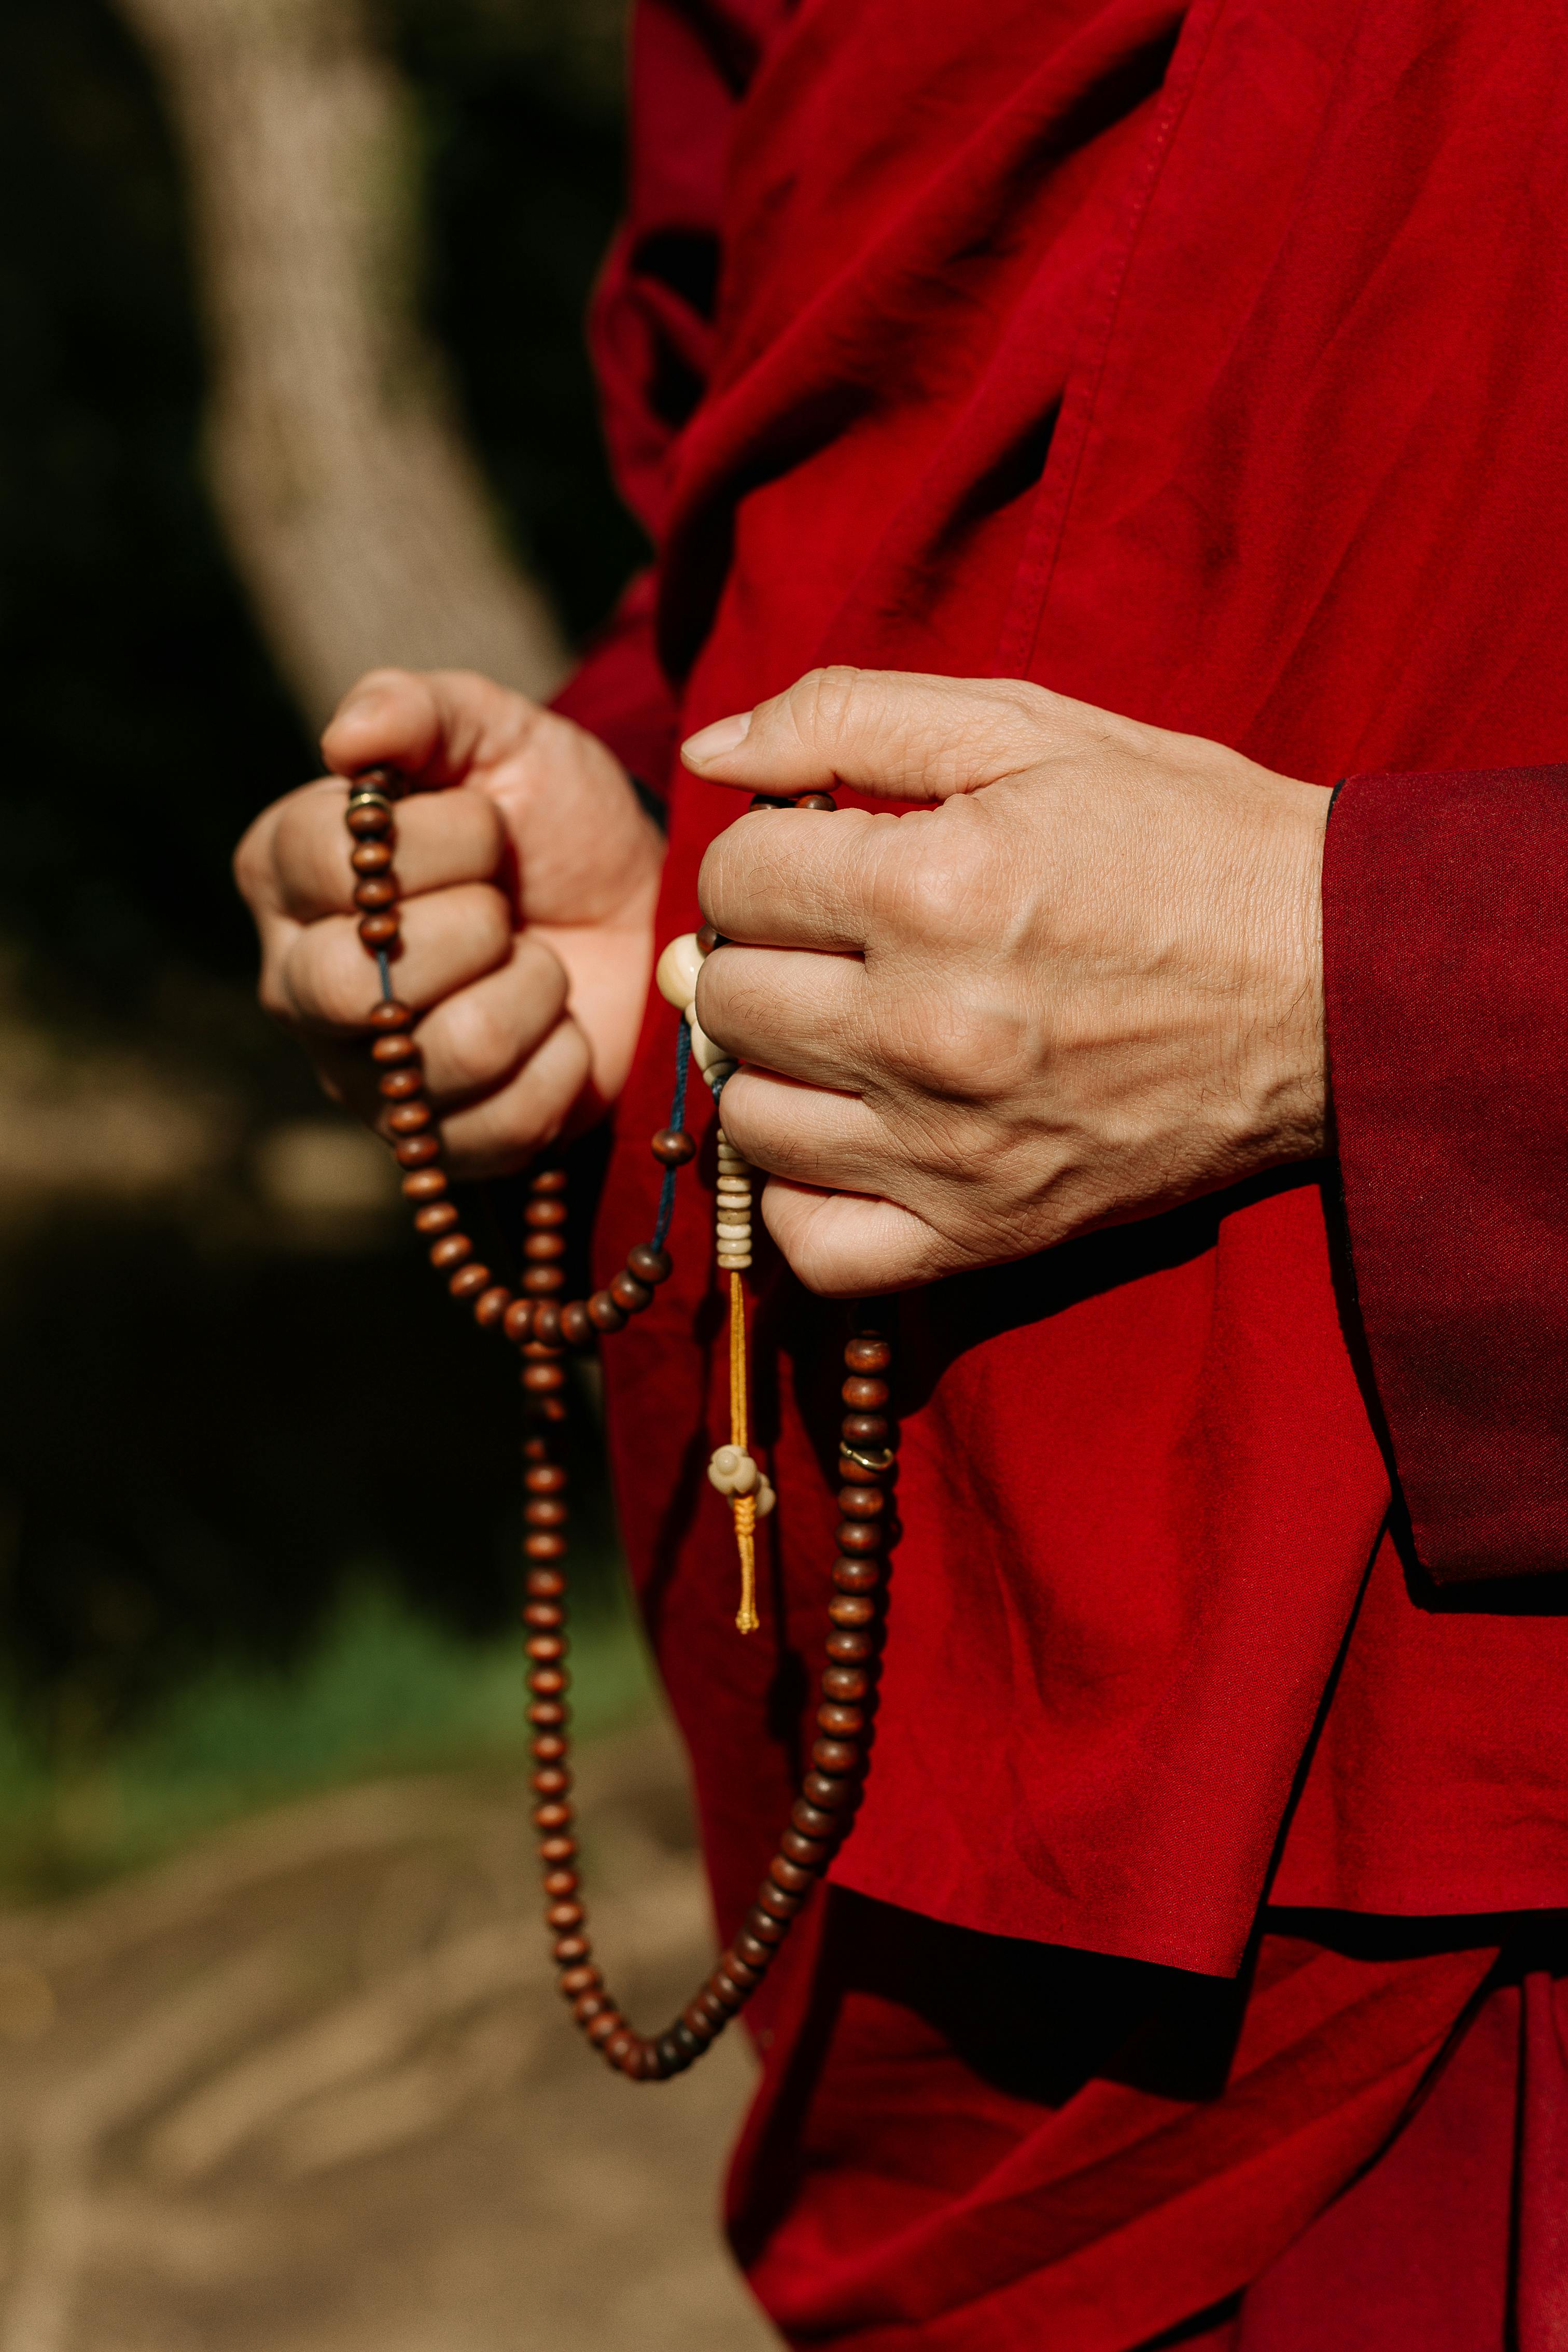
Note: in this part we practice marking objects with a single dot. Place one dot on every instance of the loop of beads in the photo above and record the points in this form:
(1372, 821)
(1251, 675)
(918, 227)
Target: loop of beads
(543, 1326)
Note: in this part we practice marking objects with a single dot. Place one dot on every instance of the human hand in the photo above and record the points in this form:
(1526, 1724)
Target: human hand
(1084, 987)
(529, 874)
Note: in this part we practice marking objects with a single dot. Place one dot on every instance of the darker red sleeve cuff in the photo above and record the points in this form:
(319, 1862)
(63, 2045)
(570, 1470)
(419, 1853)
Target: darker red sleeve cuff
(1446, 974)
(619, 692)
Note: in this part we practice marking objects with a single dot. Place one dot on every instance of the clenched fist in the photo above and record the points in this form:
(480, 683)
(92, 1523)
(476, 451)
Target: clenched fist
(528, 872)
(1083, 987)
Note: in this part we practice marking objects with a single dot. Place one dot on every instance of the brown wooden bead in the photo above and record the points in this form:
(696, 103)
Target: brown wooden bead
(393, 1052)
(793, 1877)
(752, 1952)
(865, 1429)
(543, 1281)
(546, 1511)
(863, 1395)
(371, 856)
(451, 1251)
(712, 2008)
(548, 1681)
(845, 1644)
(857, 1575)
(547, 1648)
(543, 1545)
(834, 1755)
(543, 1249)
(747, 1973)
(859, 1535)
(811, 1821)
(673, 1147)
(817, 1789)
(840, 1722)
(546, 1710)
(547, 1180)
(867, 1356)
(416, 1150)
(700, 2021)
(518, 1322)
(563, 1916)
(851, 1609)
(389, 1015)
(707, 940)
(628, 1292)
(576, 1330)
(545, 1583)
(378, 930)
(549, 1747)
(400, 1086)
(544, 1614)
(604, 1314)
(764, 1926)
(846, 1684)
(729, 1990)
(773, 1900)
(546, 1324)
(552, 1817)
(367, 822)
(376, 891)
(490, 1306)
(557, 1849)
(583, 1978)
(560, 1883)
(544, 1478)
(812, 1851)
(545, 1209)
(589, 2004)
(866, 1466)
(607, 2023)
(409, 1117)
(568, 1950)
(543, 1379)
(648, 1265)
(469, 1281)
(862, 1502)
(439, 1218)
(816, 801)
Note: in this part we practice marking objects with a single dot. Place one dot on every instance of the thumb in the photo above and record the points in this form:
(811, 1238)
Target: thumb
(431, 725)
(898, 733)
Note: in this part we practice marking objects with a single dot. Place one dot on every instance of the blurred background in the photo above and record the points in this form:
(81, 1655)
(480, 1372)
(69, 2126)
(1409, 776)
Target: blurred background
(294, 382)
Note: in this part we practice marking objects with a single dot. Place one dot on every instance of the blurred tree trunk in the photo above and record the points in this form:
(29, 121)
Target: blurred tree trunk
(355, 514)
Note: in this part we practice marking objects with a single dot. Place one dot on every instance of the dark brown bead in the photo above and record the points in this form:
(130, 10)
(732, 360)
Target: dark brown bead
(840, 1722)
(549, 1747)
(863, 1395)
(563, 1915)
(519, 1321)
(543, 1281)
(707, 940)
(543, 1379)
(547, 1682)
(545, 1583)
(846, 1643)
(712, 2008)
(544, 1478)
(546, 1648)
(608, 2021)
(747, 1974)
(544, 1546)
(400, 1086)
(393, 1052)
(378, 930)
(545, 1210)
(376, 891)
(812, 1851)
(552, 1817)
(846, 1685)
(425, 1184)
(416, 1150)
(867, 1356)
(834, 1755)
(451, 1251)
(469, 1281)
(603, 1313)
(690, 2040)
(698, 2020)
(439, 1218)
(557, 1849)
(816, 801)
(546, 1615)
(818, 1790)
(560, 1883)
(811, 1821)
(543, 1249)
(865, 1429)
(546, 1324)
(368, 821)
(547, 1180)
(866, 1464)
(409, 1117)
(628, 1292)
(575, 1328)
(568, 1950)
(490, 1306)
(857, 1575)
(546, 1511)
(390, 1015)
(546, 1710)
(371, 856)
(851, 1609)
(862, 1502)
(773, 1900)
(648, 1265)
(762, 1924)
(861, 1535)
(589, 2004)
(731, 1994)
(673, 1146)
(585, 1977)
(795, 1877)
(750, 1950)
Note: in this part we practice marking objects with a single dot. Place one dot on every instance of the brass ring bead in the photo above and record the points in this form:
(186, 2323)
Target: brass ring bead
(541, 1325)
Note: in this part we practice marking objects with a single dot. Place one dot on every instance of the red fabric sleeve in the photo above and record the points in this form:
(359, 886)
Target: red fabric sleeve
(651, 326)
(1446, 969)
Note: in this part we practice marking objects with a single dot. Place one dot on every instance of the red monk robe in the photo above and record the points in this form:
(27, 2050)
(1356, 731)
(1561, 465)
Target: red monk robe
(1208, 364)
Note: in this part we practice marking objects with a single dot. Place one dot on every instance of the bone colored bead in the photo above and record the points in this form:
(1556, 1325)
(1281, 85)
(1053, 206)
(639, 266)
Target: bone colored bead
(733, 1230)
(766, 1498)
(736, 1265)
(676, 977)
(732, 1471)
(704, 1052)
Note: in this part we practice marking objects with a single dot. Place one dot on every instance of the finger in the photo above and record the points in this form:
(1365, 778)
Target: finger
(898, 733)
(432, 726)
(473, 1041)
(501, 1133)
(806, 1132)
(450, 937)
(797, 878)
(803, 1015)
(845, 1245)
(458, 837)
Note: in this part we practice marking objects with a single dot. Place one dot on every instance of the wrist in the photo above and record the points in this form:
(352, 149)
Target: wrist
(1292, 1033)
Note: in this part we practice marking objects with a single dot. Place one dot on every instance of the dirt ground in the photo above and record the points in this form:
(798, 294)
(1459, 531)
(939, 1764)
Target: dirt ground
(308, 2089)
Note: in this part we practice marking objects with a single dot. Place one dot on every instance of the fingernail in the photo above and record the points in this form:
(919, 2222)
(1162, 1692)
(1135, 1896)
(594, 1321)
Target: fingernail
(712, 743)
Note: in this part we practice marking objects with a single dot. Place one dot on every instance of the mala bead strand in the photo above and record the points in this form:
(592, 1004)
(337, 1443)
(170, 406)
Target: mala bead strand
(543, 1327)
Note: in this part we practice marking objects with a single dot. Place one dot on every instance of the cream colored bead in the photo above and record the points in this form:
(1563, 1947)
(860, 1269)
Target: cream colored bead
(766, 1497)
(675, 974)
(731, 1236)
(704, 1052)
(736, 1264)
(732, 1471)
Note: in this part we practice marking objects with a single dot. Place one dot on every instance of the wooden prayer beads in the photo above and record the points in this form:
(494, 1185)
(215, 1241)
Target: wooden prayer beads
(543, 1326)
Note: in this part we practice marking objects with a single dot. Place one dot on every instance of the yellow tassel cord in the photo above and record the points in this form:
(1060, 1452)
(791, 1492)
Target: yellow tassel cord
(744, 1506)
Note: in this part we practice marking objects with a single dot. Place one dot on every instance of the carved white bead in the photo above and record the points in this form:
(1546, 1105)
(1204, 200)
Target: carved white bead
(676, 975)
(704, 1052)
(766, 1498)
(729, 1232)
(732, 1471)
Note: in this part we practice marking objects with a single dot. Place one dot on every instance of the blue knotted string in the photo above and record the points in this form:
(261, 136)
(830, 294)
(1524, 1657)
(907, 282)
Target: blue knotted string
(677, 1119)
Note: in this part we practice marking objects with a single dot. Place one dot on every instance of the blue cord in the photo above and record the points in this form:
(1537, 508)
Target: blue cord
(676, 1118)
(384, 966)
